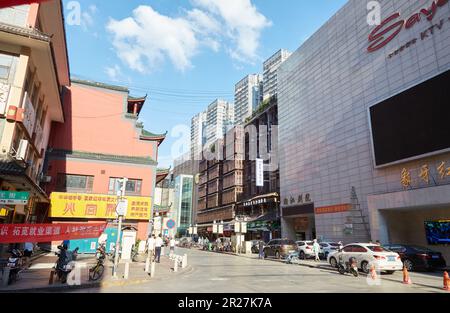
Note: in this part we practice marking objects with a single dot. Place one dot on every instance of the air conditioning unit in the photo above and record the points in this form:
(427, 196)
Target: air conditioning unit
(22, 151)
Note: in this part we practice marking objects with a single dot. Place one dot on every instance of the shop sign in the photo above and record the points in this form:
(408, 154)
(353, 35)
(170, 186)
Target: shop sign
(259, 173)
(71, 205)
(425, 176)
(258, 201)
(301, 199)
(348, 229)
(333, 209)
(14, 197)
(4, 93)
(29, 115)
(391, 27)
(18, 233)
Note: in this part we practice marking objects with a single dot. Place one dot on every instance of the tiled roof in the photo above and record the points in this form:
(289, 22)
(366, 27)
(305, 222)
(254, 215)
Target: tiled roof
(101, 157)
(99, 85)
(25, 32)
(148, 134)
(11, 168)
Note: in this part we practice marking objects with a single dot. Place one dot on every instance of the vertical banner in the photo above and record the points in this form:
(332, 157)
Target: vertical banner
(259, 173)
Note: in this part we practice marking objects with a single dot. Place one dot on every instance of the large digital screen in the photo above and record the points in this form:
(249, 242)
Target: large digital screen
(438, 232)
(413, 123)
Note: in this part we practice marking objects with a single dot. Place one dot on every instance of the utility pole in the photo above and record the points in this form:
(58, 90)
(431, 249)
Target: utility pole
(120, 197)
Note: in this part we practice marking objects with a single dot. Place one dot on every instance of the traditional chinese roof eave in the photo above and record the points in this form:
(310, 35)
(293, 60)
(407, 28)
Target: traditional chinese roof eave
(161, 174)
(146, 135)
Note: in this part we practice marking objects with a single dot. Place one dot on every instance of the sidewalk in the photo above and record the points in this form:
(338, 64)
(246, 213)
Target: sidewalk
(36, 278)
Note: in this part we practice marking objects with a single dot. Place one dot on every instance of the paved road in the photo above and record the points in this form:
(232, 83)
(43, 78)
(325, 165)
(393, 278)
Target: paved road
(220, 273)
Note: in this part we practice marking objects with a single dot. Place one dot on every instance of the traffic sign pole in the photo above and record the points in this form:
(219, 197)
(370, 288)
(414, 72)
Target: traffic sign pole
(119, 227)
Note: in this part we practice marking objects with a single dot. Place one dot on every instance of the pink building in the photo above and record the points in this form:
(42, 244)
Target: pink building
(100, 142)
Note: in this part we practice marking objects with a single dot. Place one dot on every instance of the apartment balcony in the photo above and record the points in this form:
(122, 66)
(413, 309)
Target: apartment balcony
(203, 178)
(213, 186)
(213, 163)
(213, 201)
(203, 166)
(232, 165)
(233, 179)
(201, 204)
(214, 173)
(202, 191)
(232, 195)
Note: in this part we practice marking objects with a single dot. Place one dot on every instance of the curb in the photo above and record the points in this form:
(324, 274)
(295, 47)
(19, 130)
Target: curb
(104, 284)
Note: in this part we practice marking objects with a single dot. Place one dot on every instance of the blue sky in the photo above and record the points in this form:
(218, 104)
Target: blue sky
(184, 53)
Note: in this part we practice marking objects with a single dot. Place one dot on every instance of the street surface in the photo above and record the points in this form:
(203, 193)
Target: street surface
(221, 273)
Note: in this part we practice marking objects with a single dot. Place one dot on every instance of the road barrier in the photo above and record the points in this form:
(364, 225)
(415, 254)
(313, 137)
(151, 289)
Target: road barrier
(406, 278)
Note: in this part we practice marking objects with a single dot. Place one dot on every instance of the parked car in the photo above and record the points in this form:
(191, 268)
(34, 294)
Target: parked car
(279, 248)
(185, 242)
(255, 245)
(328, 247)
(305, 249)
(366, 253)
(418, 258)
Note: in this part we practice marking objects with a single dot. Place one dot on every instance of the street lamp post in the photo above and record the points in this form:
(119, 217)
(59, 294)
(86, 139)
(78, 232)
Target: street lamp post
(120, 213)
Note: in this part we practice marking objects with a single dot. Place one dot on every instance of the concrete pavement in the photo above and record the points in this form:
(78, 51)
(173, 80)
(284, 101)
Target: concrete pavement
(222, 273)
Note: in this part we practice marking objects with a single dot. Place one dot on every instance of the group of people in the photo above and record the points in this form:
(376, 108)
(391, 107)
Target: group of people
(155, 244)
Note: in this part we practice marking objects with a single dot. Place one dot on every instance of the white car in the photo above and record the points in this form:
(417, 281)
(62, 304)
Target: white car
(367, 254)
(328, 247)
(305, 249)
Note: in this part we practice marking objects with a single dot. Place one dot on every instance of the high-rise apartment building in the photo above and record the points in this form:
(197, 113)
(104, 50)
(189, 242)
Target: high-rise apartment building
(246, 97)
(270, 68)
(198, 130)
(219, 119)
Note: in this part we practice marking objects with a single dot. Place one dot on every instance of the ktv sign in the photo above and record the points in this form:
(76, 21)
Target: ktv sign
(392, 26)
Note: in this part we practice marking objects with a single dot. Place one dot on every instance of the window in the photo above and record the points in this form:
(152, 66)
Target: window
(377, 249)
(69, 182)
(349, 249)
(6, 66)
(133, 186)
(359, 249)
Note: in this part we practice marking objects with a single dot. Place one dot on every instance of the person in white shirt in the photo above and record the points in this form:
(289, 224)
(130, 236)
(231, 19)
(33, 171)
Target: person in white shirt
(158, 244)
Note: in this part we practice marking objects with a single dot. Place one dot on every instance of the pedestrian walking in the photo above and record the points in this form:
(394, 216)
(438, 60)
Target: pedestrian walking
(316, 250)
(261, 249)
(158, 244)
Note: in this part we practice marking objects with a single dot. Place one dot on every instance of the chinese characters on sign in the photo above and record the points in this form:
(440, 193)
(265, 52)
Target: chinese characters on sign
(14, 197)
(300, 200)
(424, 175)
(68, 205)
(18, 233)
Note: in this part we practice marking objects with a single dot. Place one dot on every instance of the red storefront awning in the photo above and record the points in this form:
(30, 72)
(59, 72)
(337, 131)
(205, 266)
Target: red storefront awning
(11, 3)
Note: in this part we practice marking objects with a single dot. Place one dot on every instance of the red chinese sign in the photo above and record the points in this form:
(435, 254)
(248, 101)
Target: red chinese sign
(17, 233)
(11, 3)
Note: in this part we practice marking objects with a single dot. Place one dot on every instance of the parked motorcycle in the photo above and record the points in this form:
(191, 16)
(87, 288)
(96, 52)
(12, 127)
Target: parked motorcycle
(15, 265)
(350, 267)
(65, 263)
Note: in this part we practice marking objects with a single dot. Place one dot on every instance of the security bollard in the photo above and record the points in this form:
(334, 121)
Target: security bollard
(184, 262)
(175, 265)
(152, 269)
(147, 265)
(5, 277)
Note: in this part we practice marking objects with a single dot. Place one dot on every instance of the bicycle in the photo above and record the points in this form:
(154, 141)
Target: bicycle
(96, 272)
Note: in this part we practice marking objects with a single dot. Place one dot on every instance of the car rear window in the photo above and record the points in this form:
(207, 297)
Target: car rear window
(288, 242)
(377, 249)
(309, 243)
(421, 249)
(334, 244)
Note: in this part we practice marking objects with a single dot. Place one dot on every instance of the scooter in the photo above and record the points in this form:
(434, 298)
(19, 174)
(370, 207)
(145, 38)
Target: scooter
(293, 258)
(350, 267)
(15, 265)
(65, 263)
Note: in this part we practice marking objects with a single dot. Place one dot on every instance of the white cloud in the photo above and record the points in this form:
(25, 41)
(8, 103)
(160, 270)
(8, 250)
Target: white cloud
(87, 17)
(147, 38)
(113, 72)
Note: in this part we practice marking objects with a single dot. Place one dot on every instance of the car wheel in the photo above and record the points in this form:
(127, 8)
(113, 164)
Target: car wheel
(333, 262)
(365, 267)
(277, 255)
(409, 265)
(302, 255)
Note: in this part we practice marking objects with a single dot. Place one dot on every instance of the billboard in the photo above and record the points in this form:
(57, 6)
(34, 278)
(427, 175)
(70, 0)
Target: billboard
(412, 124)
(76, 205)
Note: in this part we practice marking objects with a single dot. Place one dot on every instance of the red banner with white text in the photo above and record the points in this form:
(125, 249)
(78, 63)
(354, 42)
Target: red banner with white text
(11, 3)
(18, 233)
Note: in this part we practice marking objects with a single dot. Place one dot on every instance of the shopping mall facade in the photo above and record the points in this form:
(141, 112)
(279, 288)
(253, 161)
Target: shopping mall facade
(364, 127)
